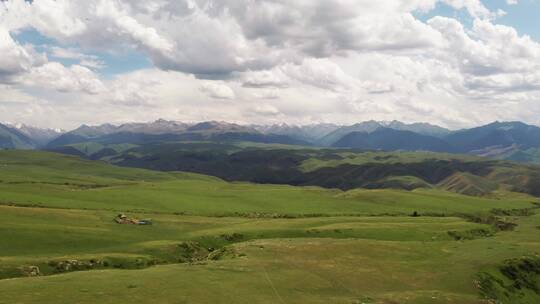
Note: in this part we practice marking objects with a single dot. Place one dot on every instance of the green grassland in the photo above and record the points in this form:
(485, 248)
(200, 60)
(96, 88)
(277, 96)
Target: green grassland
(308, 260)
(371, 157)
(218, 242)
(51, 180)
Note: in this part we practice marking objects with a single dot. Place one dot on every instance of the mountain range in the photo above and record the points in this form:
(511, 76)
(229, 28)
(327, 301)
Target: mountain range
(504, 140)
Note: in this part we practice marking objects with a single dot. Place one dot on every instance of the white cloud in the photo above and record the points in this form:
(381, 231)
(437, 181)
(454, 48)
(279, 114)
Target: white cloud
(23, 65)
(66, 53)
(323, 28)
(474, 7)
(89, 61)
(54, 18)
(212, 38)
(320, 73)
(217, 90)
(490, 57)
(65, 79)
(265, 79)
(266, 110)
(266, 94)
(16, 59)
(126, 25)
(265, 60)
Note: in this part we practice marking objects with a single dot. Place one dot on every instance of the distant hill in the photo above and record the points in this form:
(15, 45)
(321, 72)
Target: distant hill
(419, 127)
(93, 131)
(501, 140)
(371, 126)
(331, 168)
(495, 136)
(531, 155)
(387, 139)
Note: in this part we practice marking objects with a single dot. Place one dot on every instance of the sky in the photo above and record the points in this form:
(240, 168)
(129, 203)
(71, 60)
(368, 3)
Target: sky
(454, 63)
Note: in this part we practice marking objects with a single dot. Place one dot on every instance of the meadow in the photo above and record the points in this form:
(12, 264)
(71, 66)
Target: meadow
(218, 242)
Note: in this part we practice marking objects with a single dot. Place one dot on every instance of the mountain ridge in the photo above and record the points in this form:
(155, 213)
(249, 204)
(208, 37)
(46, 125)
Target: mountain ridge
(11, 138)
(388, 139)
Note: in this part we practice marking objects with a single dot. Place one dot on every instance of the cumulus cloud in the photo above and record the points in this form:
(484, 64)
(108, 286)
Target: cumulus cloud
(213, 38)
(217, 90)
(126, 25)
(23, 65)
(65, 79)
(321, 73)
(54, 18)
(324, 28)
(16, 59)
(490, 57)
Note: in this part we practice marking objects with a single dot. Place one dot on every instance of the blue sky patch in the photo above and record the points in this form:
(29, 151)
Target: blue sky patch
(522, 16)
(125, 61)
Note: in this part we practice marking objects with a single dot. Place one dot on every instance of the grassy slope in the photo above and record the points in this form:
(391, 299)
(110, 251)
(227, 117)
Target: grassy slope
(90, 148)
(342, 259)
(469, 184)
(378, 260)
(39, 233)
(51, 180)
(360, 158)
